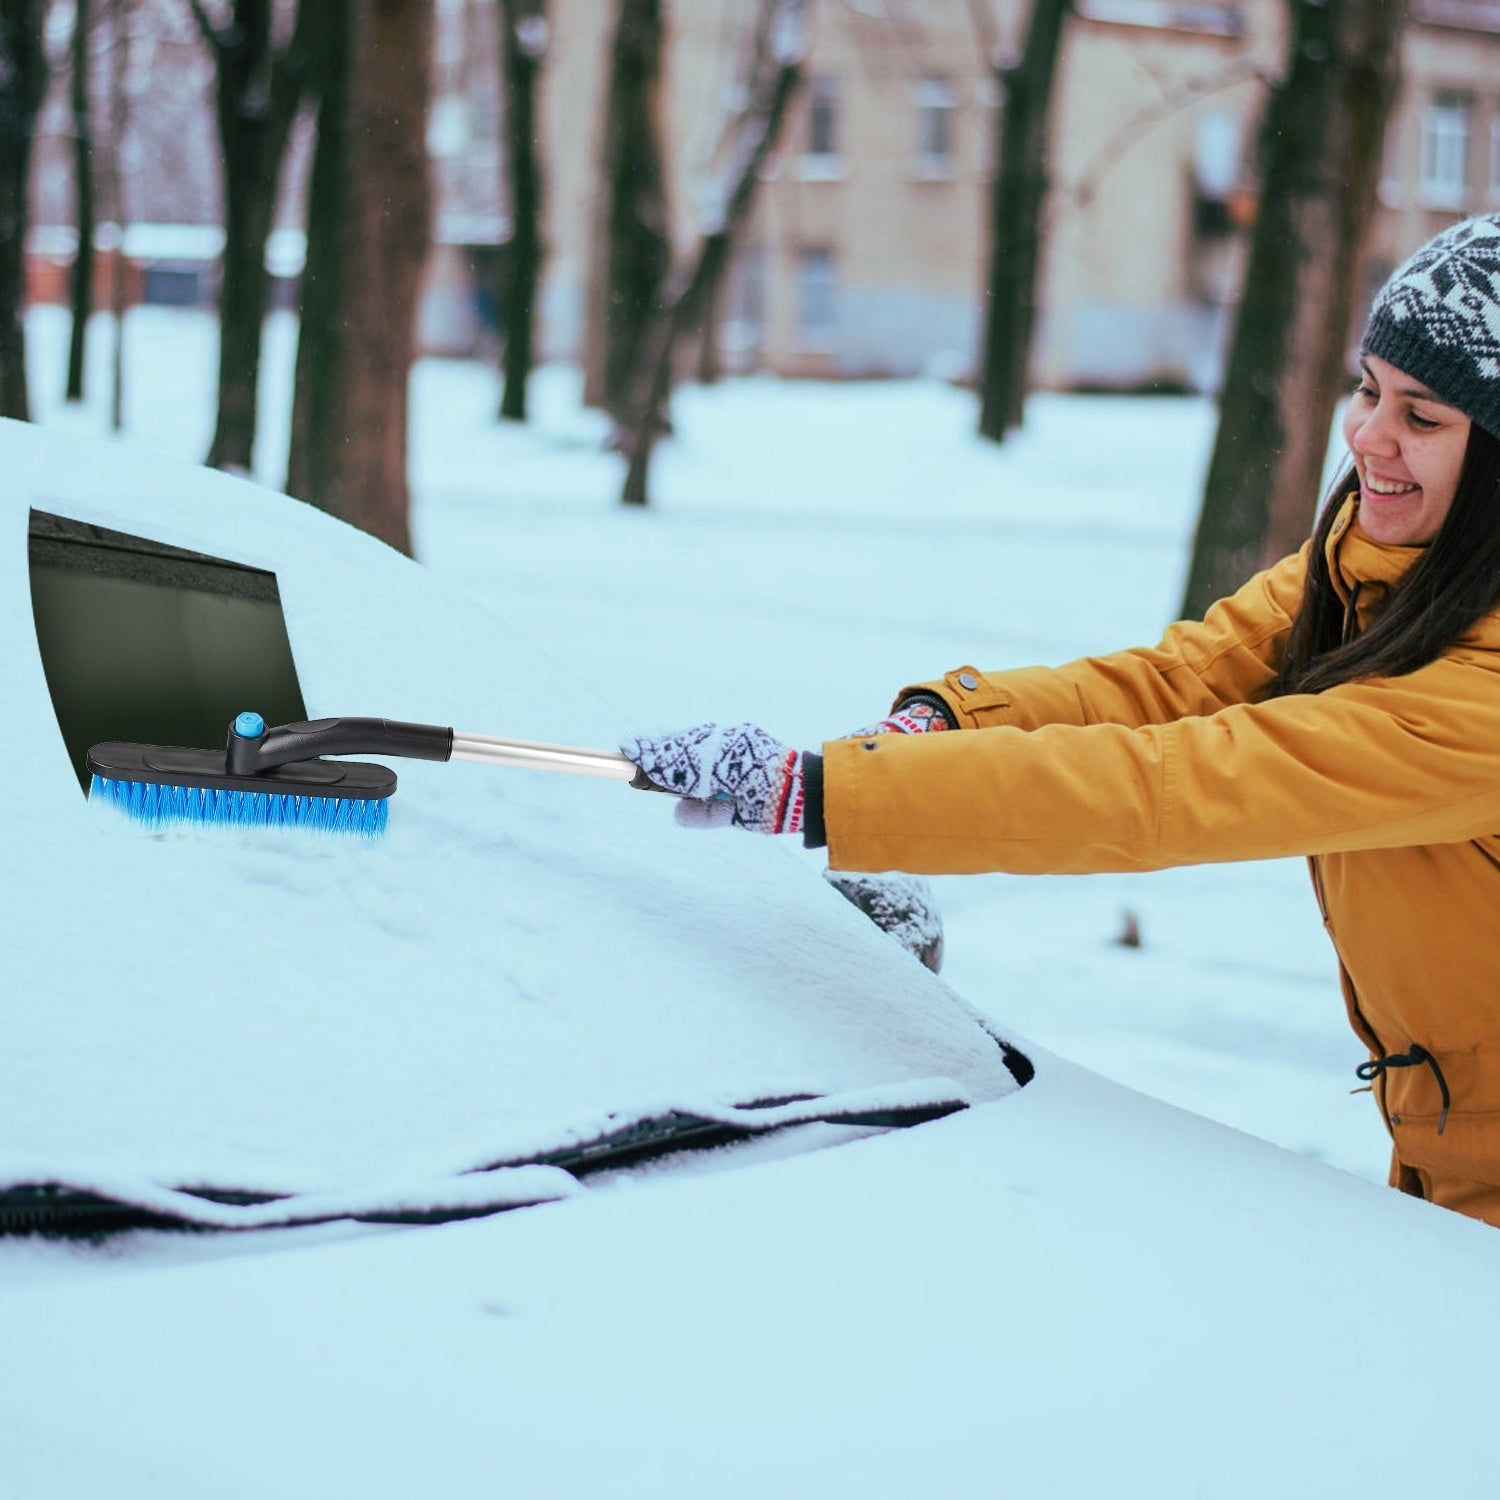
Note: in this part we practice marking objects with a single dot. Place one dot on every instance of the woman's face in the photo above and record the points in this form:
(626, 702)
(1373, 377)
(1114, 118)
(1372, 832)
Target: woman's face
(1408, 447)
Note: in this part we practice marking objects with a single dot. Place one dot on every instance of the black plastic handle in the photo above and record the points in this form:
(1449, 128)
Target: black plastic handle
(286, 743)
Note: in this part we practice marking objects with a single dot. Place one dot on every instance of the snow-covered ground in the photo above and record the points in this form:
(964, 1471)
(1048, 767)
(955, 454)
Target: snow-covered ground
(810, 549)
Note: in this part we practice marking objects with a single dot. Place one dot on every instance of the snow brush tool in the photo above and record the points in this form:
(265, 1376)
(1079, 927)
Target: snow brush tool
(275, 777)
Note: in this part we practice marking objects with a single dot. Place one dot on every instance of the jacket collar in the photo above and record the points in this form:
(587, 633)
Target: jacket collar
(1366, 571)
(1356, 559)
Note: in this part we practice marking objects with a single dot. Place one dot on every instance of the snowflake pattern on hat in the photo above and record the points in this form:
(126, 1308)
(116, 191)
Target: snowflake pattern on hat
(1438, 318)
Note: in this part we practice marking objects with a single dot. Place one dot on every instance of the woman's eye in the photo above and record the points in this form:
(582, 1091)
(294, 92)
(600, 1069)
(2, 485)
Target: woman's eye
(1361, 389)
(1423, 424)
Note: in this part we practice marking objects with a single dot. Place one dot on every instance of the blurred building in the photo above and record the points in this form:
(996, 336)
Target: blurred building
(867, 249)
(865, 253)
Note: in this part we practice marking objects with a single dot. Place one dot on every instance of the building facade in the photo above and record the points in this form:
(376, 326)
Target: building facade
(865, 255)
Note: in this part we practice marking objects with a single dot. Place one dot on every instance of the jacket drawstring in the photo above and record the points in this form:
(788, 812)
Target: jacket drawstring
(1351, 616)
(1370, 1071)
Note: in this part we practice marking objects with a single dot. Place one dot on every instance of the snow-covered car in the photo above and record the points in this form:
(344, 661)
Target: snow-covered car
(781, 1216)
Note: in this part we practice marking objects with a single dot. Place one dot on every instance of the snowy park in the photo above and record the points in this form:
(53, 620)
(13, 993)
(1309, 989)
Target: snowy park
(426, 427)
(829, 1307)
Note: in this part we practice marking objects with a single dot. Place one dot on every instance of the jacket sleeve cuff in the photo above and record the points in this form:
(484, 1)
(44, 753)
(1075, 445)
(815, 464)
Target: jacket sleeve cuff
(932, 701)
(969, 698)
(814, 829)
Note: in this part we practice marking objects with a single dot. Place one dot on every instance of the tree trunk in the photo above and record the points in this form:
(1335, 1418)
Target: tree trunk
(1018, 198)
(368, 235)
(258, 91)
(242, 310)
(711, 320)
(318, 409)
(523, 50)
(1322, 146)
(758, 131)
(119, 71)
(23, 84)
(633, 249)
(81, 282)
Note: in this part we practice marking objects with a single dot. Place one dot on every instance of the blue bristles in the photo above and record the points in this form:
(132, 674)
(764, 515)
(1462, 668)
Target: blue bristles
(158, 806)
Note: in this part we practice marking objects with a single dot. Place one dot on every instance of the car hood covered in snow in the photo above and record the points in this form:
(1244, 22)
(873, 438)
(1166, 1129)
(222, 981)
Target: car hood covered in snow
(523, 962)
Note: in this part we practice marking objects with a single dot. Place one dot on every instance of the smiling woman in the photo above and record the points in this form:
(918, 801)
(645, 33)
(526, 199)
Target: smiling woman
(1343, 705)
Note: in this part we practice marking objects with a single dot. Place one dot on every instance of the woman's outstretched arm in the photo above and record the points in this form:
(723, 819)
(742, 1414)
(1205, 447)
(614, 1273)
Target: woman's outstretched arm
(1365, 765)
(1199, 667)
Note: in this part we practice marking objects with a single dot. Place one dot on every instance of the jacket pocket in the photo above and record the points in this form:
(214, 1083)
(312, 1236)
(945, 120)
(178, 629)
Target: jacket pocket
(1468, 1150)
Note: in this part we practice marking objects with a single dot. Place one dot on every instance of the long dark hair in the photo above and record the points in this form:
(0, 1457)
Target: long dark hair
(1454, 583)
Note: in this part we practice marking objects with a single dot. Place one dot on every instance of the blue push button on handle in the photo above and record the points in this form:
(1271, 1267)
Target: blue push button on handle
(249, 726)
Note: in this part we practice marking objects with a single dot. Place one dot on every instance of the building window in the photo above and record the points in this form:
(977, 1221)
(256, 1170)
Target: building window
(936, 103)
(817, 297)
(1216, 172)
(1445, 151)
(820, 160)
(823, 117)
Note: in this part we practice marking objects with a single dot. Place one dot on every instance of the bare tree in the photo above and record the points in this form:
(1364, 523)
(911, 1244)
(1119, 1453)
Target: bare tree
(23, 85)
(523, 50)
(757, 131)
(81, 287)
(1018, 198)
(753, 63)
(1322, 145)
(119, 11)
(368, 233)
(1174, 96)
(632, 247)
(259, 86)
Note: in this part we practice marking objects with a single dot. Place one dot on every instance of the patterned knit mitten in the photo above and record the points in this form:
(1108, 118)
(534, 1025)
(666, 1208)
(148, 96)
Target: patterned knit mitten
(737, 775)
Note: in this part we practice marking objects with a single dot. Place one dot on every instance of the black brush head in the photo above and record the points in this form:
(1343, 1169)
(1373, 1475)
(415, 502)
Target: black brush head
(172, 765)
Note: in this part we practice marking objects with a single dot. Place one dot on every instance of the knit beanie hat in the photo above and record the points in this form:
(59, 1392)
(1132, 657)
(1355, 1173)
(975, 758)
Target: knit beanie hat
(1438, 319)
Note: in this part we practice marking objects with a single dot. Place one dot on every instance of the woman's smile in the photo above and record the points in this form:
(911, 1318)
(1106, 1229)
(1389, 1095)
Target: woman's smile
(1391, 487)
(1389, 509)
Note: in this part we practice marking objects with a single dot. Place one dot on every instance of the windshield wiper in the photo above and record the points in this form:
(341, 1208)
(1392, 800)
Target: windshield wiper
(93, 1210)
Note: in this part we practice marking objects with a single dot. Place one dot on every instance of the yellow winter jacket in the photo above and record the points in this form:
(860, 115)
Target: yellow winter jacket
(1173, 756)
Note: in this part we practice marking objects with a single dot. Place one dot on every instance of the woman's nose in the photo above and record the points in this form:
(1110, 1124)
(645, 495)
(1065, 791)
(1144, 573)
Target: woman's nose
(1374, 435)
